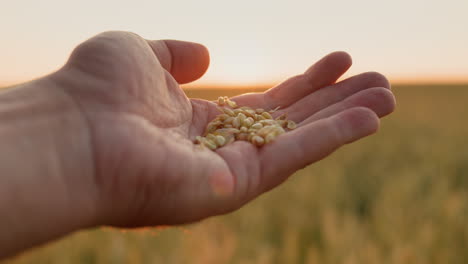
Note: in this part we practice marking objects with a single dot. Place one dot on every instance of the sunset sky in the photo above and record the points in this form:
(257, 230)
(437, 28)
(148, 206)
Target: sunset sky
(251, 42)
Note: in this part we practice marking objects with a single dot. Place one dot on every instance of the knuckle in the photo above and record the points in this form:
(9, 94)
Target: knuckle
(381, 92)
(105, 43)
(118, 35)
(387, 96)
(107, 52)
(93, 47)
(279, 92)
(377, 79)
(334, 131)
(308, 79)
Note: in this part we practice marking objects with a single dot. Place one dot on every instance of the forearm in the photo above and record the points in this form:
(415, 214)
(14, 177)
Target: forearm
(38, 124)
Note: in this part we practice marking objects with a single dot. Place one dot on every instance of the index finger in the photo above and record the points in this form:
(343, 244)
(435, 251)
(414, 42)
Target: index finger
(323, 73)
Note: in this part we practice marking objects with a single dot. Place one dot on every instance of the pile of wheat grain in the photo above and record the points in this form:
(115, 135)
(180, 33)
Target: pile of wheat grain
(256, 126)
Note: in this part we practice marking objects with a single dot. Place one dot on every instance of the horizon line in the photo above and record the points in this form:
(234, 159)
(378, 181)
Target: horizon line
(400, 82)
(247, 85)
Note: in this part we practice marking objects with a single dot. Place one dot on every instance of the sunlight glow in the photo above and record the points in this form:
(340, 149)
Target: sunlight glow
(240, 62)
(251, 42)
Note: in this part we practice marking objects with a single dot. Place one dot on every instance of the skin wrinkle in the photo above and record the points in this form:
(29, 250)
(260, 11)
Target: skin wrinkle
(122, 160)
(247, 177)
(334, 130)
(192, 165)
(140, 184)
(154, 53)
(88, 128)
(196, 119)
(248, 189)
(87, 80)
(377, 80)
(168, 78)
(91, 55)
(162, 106)
(132, 109)
(59, 168)
(146, 184)
(179, 96)
(299, 153)
(165, 57)
(275, 95)
(115, 174)
(164, 189)
(258, 172)
(171, 56)
(136, 108)
(269, 102)
(147, 193)
(232, 172)
(309, 79)
(210, 107)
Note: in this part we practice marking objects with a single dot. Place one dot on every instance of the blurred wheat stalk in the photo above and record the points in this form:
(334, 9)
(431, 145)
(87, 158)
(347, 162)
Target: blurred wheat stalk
(397, 197)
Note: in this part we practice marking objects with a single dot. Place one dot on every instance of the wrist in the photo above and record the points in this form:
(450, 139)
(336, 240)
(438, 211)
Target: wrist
(46, 166)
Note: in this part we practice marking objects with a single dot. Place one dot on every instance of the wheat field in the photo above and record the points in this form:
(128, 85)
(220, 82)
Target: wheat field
(400, 196)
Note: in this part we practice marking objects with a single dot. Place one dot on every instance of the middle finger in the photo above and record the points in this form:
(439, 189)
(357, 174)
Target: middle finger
(327, 96)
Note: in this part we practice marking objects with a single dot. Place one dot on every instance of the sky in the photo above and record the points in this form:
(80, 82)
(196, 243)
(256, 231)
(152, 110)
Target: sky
(250, 42)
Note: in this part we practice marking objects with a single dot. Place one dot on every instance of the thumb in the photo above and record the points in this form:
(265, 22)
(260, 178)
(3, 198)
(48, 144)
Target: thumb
(186, 61)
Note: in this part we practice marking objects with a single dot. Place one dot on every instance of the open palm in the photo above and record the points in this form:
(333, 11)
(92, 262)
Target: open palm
(147, 169)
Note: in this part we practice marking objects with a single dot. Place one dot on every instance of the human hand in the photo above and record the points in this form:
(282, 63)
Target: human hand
(142, 126)
(108, 138)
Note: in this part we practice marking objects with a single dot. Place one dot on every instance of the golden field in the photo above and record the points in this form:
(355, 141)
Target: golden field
(400, 196)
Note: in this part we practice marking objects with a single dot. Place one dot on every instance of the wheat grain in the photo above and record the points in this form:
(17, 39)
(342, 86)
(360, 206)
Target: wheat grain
(256, 126)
